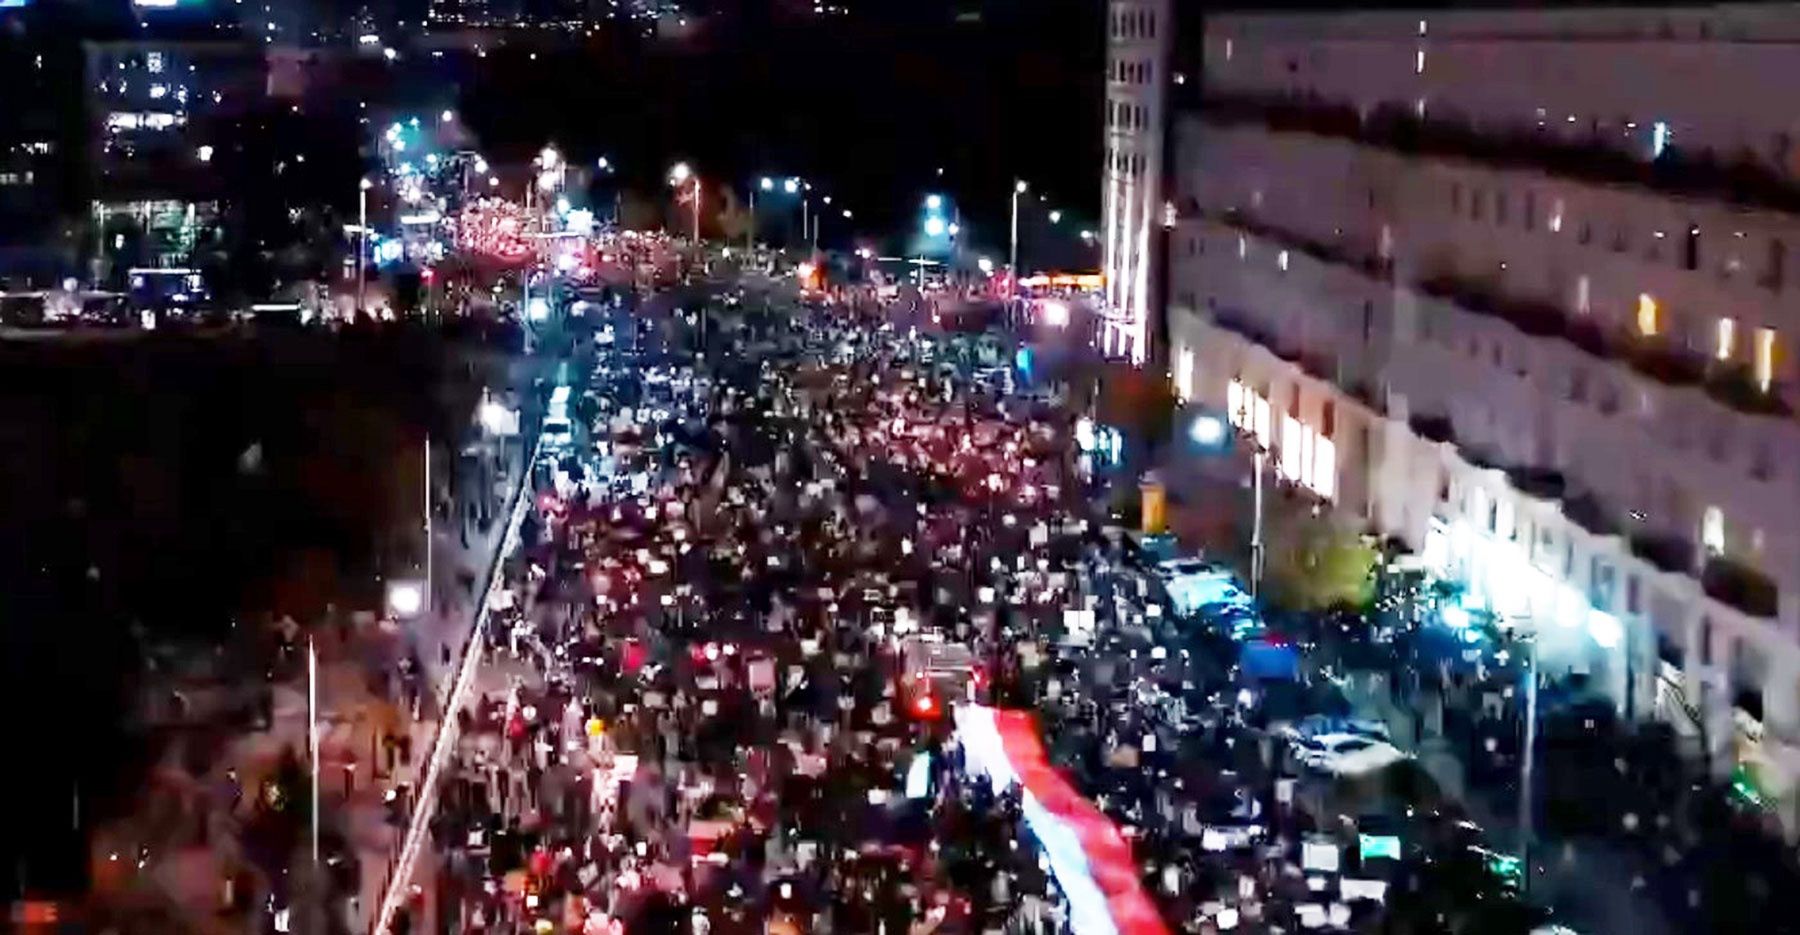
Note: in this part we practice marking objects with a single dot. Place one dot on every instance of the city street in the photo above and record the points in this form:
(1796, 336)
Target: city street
(794, 544)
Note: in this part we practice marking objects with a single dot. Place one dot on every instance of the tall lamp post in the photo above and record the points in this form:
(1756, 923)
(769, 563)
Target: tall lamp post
(362, 239)
(768, 185)
(1019, 188)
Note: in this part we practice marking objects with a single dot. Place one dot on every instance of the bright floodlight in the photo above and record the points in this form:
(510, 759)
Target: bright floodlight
(827, 199)
(934, 202)
(204, 153)
(1021, 187)
(954, 229)
(481, 166)
(681, 173)
(549, 158)
(847, 214)
(1056, 217)
(365, 185)
(446, 116)
(602, 163)
(934, 226)
(1056, 314)
(985, 265)
(1207, 430)
(791, 186)
(768, 184)
(405, 598)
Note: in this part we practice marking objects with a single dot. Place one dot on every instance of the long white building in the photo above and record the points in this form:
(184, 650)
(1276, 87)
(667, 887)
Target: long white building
(1521, 289)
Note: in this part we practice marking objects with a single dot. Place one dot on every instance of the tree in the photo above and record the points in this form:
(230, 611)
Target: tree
(734, 219)
(1314, 564)
(639, 213)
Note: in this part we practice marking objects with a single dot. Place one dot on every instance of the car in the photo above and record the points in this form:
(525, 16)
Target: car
(557, 433)
(1319, 725)
(1347, 754)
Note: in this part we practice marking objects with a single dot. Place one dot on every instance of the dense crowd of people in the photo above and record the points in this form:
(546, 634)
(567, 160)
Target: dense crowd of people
(761, 585)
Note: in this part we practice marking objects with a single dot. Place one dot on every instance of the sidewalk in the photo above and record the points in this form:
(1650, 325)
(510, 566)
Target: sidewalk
(1588, 882)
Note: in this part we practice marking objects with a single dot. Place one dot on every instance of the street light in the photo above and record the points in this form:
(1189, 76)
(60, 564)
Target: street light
(1056, 217)
(934, 226)
(362, 239)
(603, 164)
(768, 184)
(791, 186)
(446, 117)
(1019, 188)
(934, 202)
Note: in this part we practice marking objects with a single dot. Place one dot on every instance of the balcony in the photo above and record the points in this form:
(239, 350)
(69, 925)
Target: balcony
(1539, 319)
(1396, 127)
(1374, 267)
(1542, 483)
(1585, 511)
(1740, 586)
(1435, 428)
(1733, 386)
(1669, 553)
(1653, 358)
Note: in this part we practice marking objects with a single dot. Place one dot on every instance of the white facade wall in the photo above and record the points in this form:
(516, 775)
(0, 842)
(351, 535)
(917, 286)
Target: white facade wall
(1713, 74)
(1654, 458)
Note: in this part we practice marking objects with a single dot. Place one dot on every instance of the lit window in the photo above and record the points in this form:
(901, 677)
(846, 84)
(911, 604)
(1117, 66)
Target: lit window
(1659, 138)
(1228, 50)
(1647, 314)
(1421, 27)
(1712, 531)
(1765, 358)
(1291, 446)
(1324, 482)
(1265, 432)
(1243, 246)
(1727, 338)
(153, 63)
(1281, 260)
(1236, 406)
(1419, 62)
(1556, 215)
(1184, 374)
(1583, 294)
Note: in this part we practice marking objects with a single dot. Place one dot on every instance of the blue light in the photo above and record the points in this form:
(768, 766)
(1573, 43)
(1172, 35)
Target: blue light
(389, 251)
(934, 226)
(1022, 359)
(1454, 617)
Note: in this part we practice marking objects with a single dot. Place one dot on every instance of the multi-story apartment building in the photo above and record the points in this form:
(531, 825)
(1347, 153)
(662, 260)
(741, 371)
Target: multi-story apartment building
(1137, 78)
(1521, 290)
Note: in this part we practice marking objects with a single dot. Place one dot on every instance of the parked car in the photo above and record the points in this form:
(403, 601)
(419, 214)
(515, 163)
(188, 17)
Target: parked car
(1347, 754)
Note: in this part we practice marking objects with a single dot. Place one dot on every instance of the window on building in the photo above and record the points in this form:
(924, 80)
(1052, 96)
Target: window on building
(1474, 204)
(1530, 210)
(1583, 294)
(1634, 600)
(1775, 275)
(1556, 216)
(1184, 374)
(1419, 62)
(1690, 249)
(1712, 531)
(1456, 198)
(1764, 365)
(1648, 314)
(1727, 339)
(1500, 206)
(1328, 419)
(1368, 321)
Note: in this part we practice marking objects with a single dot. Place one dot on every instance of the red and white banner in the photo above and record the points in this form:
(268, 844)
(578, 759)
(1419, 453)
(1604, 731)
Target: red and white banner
(1090, 859)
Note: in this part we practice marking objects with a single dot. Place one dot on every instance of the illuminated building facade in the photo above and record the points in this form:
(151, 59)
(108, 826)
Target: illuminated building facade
(154, 104)
(1137, 76)
(1532, 275)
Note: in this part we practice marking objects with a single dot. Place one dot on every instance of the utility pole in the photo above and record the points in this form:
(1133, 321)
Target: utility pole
(1019, 188)
(362, 240)
(1527, 760)
(1256, 523)
(312, 738)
